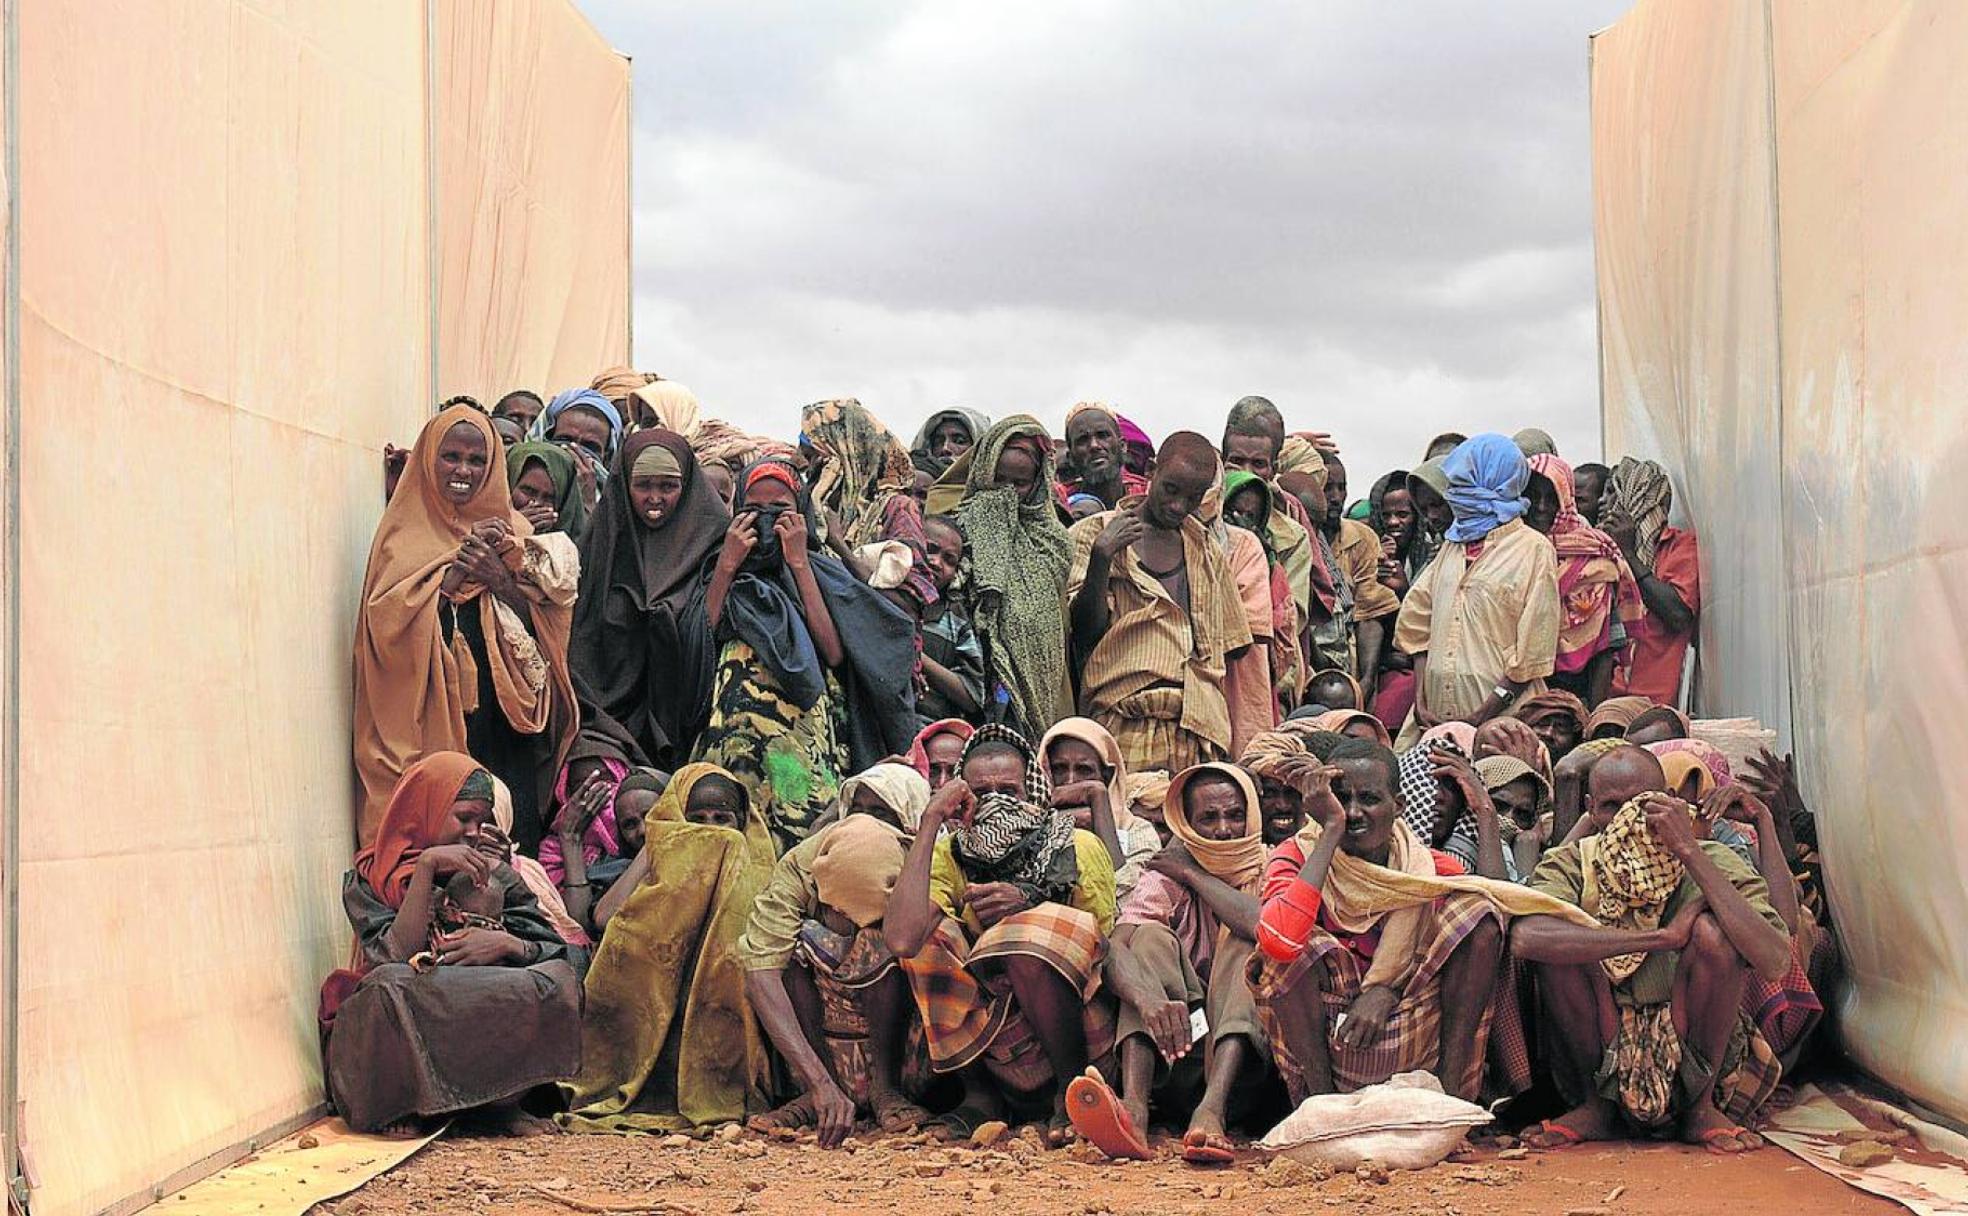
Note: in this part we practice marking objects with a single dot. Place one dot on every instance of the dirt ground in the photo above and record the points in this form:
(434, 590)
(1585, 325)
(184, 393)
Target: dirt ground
(553, 1176)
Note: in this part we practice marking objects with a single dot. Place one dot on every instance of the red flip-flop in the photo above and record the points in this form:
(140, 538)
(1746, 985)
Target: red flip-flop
(1099, 1117)
(1566, 1137)
(1201, 1148)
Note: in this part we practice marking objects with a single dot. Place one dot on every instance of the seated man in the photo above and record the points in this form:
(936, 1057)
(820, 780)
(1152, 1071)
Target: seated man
(1001, 918)
(823, 983)
(1648, 1004)
(1374, 958)
(1156, 616)
(1185, 938)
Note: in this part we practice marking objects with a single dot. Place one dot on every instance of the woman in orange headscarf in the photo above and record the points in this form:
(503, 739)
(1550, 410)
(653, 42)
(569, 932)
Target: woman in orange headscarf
(461, 635)
(462, 996)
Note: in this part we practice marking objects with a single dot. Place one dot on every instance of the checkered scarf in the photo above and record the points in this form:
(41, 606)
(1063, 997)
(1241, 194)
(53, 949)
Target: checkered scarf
(1421, 789)
(1028, 844)
(1630, 878)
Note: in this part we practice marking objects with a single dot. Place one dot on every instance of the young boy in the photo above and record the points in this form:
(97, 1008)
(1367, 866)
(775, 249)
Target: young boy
(953, 661)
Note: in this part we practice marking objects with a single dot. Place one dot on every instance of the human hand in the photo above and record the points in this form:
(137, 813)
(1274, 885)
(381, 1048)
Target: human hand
(479, 948)
(395, 460)
(1312, 778)
(1511, 737)
(1124, 529)
(993, 901)
(953, 801)
(835, 1111)
(790, 527)
(1457, 769)
(1734, 803)
(1321, 440)
(1774, 779)
(1174, 861)
(1675, 933)
(739, 541)
(1167, 1023)
(1672, 822)
(542, 515)
(1616, 523)
(1364, 1020)
(495, 844)
(587, 802)
(447, 860)
(1426, 718)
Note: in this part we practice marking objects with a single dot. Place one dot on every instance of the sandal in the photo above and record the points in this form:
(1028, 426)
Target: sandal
(1746, 1141)
(1097, 1114)
(1207, 1148)
(900, 1115)
(1565, 1137)
(963, 1122)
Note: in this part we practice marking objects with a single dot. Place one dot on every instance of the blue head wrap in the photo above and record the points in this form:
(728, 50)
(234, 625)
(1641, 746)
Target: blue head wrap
(1487, 477)
(588, 399)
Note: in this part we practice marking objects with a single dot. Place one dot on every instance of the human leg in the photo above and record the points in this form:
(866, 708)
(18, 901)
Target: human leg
(1707, 1004)
(1468, 982)
(1580, 1013)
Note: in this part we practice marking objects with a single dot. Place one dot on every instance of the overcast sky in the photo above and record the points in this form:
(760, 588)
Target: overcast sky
(1378, 215)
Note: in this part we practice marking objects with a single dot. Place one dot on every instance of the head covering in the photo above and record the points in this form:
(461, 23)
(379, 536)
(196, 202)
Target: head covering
(560, 469)
(1028, 844)
(862, 466)
(587, 399)
(1617, 711)
(901, 789)
(655, 460)
(413, 822)
(674, 406)
(410, 690)
(1140, 448)
(619, 381)
(1337, 720)
(1534, 441)
(919, 749)
(1430, 474)
(1679, 719)
(1642, 492)
(1078, 496)
(1096, 736)
(1449, 439)
(1239, 862)
(1487, 476)
(1019, 558)
(1711, 757)
(670, 806)
(1377, 498)
(1149, 788)
(1462, 734)
(1420, 787)
(641, 649)
(973, 421)
(857, 865)
(1533, 710)
(1495, 772)
(1235, 481)
(1353, 681)
(1679, 765)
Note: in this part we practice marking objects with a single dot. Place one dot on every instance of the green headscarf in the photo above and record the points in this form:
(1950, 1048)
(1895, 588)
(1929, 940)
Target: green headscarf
(1020, 556)
(560, 470)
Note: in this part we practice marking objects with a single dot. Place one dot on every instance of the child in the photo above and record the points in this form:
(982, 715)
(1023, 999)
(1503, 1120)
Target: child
(953, 661)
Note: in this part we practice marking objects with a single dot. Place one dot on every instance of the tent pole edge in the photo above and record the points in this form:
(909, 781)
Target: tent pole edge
(10, 794)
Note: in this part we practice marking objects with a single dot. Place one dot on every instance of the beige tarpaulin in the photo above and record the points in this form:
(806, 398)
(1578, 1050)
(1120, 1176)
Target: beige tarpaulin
(533, 214)
(1778, 194)
(224, 315)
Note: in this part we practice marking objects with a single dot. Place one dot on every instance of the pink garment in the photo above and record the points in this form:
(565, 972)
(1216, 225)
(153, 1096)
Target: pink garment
(1158, 899)
(1712, 757)
(551, 905)
(1394, 699)
(1462, 734)
(599, 840)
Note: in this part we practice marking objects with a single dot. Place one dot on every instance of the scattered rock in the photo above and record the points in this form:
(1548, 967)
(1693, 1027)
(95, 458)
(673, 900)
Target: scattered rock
(989, 1132)
(1371, 1171)
(1506, 1142)
(1593, 1211)
(1864, 1154)
(751, 1150)
(1513, 1154)
(930, 1169)
(555, 1184)
(729, 1132)
(1612, 1196)
(307, 1141)
(1283, 1172)
(676, 1141)
(755, 1185)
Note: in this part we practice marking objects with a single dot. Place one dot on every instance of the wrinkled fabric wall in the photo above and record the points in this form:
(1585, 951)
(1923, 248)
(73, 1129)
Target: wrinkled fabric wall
(1836, 462)
(532, 187)
(224, 312)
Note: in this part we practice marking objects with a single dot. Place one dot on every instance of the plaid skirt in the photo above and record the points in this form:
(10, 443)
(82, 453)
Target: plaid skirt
(968, 1013)
(1412, 1038)
(1648, 1071)
(1148, 729)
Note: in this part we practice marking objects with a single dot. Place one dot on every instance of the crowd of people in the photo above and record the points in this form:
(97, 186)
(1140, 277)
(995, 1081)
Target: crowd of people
(1078, 779)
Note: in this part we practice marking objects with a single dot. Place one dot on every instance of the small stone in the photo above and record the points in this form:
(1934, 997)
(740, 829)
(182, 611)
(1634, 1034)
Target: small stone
(1284, 1172)
(1612, 1196)
(729, 1132)
(930, 1169)
(751, 1150)
(1506, 1142)
(1513, 1154)
(1371, 1171)
(754, 1185)
(1865, 1154)
(676, 1141)
(555, 1184)
(989, 1132)
(307, 1142)
(1592, 1211)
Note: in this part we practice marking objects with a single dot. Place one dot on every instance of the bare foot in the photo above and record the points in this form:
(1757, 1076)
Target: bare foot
(1594, 1119)
(895, 1113)
(1059, 1129)
(794, 1116)
(1137, 1113)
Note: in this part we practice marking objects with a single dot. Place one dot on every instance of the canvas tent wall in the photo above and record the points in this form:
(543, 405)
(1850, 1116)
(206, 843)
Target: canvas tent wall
(240, 221)
(1777, 194)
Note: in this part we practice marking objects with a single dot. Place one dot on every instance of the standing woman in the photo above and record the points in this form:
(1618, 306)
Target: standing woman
(861, 493)
(945, 436)
(1598, 597)
(461, 636)
(793, 706)
(489, 1011)
(641, 654)
(1001, 494)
